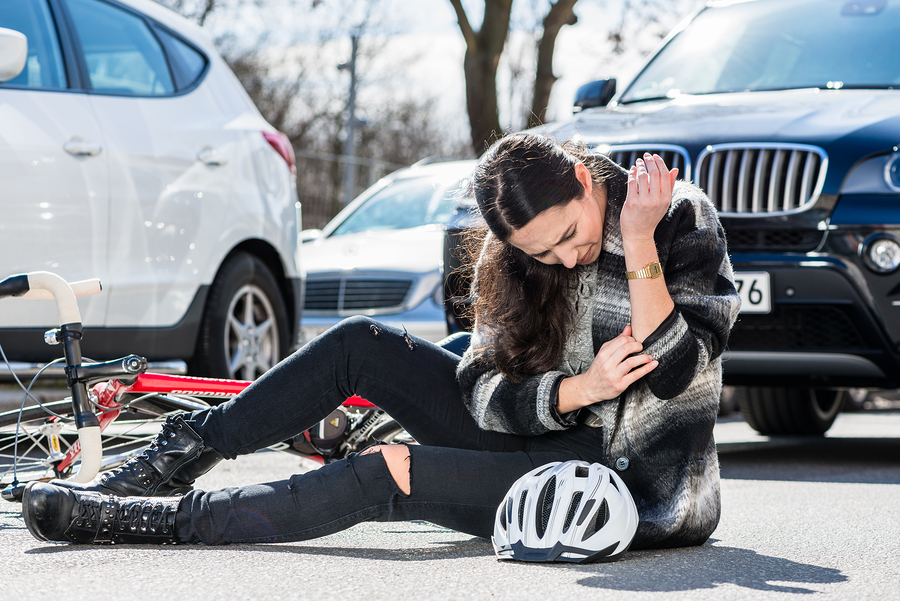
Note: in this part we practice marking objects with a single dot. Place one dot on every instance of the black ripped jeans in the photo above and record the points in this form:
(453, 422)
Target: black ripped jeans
(458, 473)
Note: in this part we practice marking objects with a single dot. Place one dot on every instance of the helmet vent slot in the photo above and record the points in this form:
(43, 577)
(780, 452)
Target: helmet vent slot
(546, 469)
(545, 506)
(599, 521)
(581, 471)
(522, 508)
(573, 507)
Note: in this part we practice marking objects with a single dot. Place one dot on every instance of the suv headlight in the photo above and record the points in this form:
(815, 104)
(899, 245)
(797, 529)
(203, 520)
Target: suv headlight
(892, 172)
(878, 175)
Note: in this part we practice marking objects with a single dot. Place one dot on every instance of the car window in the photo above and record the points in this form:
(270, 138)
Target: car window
(187, 63)
(44, 65)
(123, 55)
(403, 204)
(780, 45)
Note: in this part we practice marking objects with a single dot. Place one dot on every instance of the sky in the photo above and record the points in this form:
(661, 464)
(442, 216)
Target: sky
(423, 38)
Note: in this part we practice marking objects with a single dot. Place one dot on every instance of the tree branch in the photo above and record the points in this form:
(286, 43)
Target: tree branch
(464, 26)
(561, 13)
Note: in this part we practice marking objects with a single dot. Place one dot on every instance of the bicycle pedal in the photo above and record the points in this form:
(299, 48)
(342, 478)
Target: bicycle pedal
(13, 494)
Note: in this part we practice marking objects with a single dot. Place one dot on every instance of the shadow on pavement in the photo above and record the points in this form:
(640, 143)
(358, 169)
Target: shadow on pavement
(707, 567)
(474, 547)
(849, 460)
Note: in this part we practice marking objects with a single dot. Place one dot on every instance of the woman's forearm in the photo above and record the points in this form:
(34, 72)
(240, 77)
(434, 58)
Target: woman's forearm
(571, 395)
(650, 299)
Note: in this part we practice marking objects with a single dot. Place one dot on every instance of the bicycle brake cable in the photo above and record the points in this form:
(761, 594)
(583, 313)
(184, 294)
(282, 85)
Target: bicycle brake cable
(25, 397)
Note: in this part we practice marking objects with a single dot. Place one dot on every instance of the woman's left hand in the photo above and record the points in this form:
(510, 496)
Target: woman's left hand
(649, 195)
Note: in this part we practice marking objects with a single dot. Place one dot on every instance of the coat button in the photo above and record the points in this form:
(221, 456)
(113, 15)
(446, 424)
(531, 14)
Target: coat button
(622, 464)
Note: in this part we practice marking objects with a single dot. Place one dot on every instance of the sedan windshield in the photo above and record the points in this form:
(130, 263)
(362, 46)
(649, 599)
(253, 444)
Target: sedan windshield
(777, 45)
(403, 204)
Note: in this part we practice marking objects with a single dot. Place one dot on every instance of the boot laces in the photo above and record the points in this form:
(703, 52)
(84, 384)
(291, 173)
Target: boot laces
(89, 513)
(145, 516)
(162, 439)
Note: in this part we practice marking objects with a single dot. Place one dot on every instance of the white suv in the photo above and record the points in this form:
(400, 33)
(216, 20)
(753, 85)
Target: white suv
(130, 152)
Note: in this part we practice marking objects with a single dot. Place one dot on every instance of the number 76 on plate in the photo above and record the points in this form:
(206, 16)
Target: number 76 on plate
(755, 291)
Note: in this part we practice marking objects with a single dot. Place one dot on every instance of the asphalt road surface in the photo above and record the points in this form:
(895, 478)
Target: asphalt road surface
(801, 519)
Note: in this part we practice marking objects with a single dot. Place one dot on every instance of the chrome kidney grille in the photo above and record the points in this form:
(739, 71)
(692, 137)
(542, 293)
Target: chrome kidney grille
(743, 179)
(674, 156)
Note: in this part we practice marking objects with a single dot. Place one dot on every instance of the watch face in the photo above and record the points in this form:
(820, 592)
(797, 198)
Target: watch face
(655, 270)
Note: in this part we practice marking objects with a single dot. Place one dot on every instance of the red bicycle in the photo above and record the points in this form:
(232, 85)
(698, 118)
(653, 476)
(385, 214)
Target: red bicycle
(116, 407)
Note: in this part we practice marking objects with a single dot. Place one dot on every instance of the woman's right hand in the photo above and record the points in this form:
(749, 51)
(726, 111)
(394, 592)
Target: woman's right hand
(614, 369)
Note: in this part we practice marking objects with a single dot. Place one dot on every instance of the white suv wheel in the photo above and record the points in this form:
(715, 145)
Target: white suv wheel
(245, 325)
(251, 333)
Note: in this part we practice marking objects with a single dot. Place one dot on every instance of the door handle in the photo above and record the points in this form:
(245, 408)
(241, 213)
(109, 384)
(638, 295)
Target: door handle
(79, 147)
(210, 156)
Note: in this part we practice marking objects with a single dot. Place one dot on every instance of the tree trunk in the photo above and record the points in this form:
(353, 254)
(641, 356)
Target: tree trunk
(561, 13)
(483, 50)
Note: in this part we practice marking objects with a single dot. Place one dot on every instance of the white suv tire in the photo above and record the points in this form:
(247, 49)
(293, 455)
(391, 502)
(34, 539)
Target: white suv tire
(245, 328)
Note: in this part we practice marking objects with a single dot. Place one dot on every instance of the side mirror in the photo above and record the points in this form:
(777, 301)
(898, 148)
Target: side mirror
(309, 235)
(596, 93)
(13, 52)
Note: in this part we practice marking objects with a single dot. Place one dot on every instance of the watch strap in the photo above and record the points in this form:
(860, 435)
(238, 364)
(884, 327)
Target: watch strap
(653, 270)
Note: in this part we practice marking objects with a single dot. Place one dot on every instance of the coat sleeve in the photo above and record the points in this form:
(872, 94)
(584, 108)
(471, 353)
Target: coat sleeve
(692, 248)
(494, 400)
(501, 405)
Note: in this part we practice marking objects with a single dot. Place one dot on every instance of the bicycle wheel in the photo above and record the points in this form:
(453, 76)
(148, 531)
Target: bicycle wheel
(25, 447)
(390, 432)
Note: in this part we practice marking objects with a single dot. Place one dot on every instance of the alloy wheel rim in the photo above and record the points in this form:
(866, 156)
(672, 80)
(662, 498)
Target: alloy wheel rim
(251, 334)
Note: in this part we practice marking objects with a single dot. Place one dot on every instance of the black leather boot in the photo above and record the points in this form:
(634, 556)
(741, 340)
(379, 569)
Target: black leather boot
(169, 466)
(54, 513)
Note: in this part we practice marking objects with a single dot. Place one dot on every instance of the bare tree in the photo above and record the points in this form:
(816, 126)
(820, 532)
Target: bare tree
(483, 49)
(561, 13)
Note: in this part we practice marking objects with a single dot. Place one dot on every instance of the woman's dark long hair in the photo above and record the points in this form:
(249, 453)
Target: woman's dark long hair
(526, 304)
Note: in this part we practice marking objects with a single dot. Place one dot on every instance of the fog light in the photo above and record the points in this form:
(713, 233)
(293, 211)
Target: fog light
(883, 254)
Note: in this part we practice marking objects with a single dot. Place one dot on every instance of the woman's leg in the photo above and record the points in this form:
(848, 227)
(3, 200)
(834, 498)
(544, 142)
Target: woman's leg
(459, 489)
(413, 380)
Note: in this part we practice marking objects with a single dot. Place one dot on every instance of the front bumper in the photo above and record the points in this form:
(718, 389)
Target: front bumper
(824, 329)
(427, 321)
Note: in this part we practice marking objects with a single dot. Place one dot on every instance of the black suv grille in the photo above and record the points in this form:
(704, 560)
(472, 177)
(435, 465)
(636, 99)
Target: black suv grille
(796, 327)
(355, 293)
(742, 240)
(756, 179)
(674, 156)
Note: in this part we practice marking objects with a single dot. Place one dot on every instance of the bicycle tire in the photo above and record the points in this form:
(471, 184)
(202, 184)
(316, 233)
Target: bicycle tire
(390, 432)
(32, 459)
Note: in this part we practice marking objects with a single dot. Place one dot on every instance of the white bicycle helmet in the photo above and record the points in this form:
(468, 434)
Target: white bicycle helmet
(572, 511)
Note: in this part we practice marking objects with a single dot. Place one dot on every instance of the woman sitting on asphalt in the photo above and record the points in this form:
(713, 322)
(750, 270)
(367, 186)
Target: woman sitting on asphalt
(604, 299)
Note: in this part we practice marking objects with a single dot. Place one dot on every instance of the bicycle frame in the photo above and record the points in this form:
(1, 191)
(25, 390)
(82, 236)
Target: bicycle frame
(107, 393)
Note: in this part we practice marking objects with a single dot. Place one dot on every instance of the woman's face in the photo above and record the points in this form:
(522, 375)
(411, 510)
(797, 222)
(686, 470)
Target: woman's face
(570, 234)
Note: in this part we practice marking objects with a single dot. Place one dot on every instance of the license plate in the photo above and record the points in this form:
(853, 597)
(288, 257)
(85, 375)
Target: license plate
(755, 291)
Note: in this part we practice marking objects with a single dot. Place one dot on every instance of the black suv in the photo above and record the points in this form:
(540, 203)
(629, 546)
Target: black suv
(787, 113)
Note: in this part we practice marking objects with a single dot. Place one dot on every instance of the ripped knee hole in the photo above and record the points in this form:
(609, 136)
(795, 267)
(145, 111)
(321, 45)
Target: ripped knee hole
(396, 456)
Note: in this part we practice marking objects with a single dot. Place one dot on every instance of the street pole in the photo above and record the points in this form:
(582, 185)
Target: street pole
(350, 139)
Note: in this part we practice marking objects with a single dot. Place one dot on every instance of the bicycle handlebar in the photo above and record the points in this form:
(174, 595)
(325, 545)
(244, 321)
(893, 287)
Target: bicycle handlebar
(47, 285)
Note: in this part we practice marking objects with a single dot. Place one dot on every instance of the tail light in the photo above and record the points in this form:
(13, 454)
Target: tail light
(282, 146)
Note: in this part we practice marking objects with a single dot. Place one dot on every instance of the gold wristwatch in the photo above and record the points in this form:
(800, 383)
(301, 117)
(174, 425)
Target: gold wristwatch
(653, 270)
